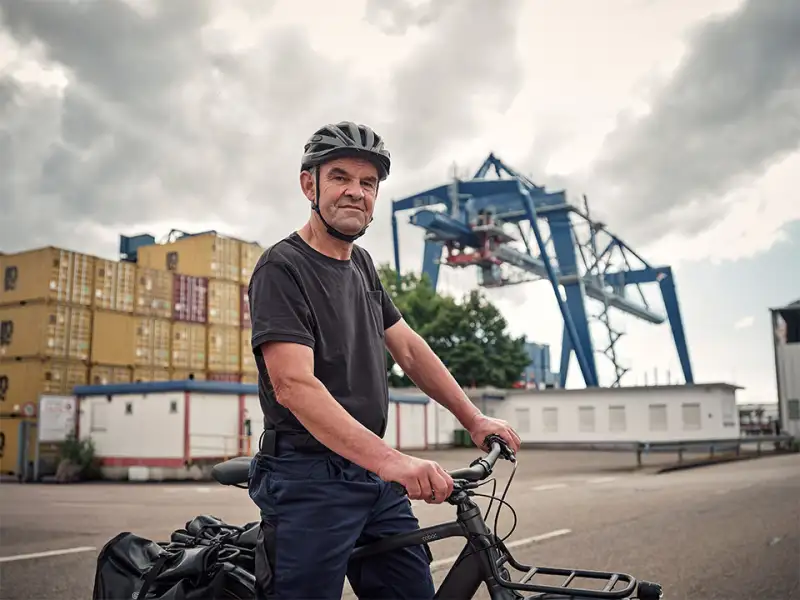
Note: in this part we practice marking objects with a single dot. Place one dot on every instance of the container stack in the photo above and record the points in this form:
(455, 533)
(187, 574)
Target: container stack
(46, 298)
(179, 312)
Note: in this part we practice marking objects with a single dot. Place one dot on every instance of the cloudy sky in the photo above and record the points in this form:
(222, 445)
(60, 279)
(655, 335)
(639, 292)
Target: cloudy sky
(680, 119)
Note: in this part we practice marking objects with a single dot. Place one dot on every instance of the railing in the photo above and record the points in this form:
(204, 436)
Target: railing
(227, 446)
(710, 448)
(713, 446)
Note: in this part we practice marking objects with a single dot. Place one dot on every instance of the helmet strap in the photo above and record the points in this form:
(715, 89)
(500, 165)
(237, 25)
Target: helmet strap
(331, 231)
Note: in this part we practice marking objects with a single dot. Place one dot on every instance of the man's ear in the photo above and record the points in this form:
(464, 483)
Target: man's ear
(307, 184)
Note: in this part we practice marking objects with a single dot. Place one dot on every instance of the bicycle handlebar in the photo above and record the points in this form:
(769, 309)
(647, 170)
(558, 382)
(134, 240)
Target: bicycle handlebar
(480, 468)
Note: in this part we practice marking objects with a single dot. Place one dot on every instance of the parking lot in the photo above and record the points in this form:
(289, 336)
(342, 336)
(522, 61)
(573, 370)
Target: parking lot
(729, 531)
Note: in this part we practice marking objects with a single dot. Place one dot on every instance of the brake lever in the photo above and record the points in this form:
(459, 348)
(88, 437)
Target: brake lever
(505, 449)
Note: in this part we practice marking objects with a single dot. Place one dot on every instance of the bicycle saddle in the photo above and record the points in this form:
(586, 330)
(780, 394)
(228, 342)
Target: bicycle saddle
(235, 471)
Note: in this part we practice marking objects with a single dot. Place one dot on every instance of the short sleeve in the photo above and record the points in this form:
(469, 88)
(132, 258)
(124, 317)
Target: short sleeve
(278, 308)
(391, 314)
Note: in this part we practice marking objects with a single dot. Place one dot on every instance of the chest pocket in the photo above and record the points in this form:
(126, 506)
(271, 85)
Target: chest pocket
(374, 301)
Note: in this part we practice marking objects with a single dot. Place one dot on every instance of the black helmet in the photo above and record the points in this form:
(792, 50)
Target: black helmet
(344, 139)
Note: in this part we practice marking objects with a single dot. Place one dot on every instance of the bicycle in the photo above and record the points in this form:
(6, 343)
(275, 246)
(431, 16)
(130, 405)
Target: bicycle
(484, 556)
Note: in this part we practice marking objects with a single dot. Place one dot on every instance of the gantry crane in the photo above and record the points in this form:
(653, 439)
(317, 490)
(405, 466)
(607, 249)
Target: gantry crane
(473, 229)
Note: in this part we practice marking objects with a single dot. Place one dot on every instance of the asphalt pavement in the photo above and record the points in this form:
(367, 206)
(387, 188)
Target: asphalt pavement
(728, 531)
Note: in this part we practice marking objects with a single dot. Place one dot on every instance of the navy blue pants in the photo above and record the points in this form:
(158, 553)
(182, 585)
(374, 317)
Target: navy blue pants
(315, 508)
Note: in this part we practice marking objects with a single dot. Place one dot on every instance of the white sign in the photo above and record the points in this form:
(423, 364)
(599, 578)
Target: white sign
(56, 418)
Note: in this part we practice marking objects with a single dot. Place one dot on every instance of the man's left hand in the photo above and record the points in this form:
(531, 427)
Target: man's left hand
(482, 426)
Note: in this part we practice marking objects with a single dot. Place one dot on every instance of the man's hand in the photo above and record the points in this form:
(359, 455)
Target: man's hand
(423, 479)
(482, 426)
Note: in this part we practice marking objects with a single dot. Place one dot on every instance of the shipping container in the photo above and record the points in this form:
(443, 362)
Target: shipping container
(190, 299)
(249, 253)
(226, 377)
(10, 443)
(152, 341)
(251, 378)
(181, 374)
(248, 360)
(244, 308)
(224, 300)
(45, 329)
(108, 374)
(143, 374)
(188, 346)
(51, 274)
(113, 339)
(205, 255)
(153, 293)
(22, 381)
(114, 283)
(223, 349)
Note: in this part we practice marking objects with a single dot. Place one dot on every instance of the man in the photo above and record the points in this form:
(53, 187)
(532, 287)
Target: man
(321, 324)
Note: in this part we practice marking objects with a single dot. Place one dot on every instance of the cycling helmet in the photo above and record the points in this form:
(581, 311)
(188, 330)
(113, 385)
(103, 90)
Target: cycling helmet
(344, 139)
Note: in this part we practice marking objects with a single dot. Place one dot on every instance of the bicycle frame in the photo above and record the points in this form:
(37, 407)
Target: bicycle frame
(483, 558)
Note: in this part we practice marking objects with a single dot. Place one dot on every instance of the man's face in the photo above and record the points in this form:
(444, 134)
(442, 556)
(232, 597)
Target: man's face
(347, 192)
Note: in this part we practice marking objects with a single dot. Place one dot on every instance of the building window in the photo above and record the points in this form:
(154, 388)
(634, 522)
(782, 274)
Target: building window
(658, 417)
(690, 413)
(616, 418)
(794, 410)
(173, 406)
(550, 419)
(523, 416)
(586, 419)
(129, 408)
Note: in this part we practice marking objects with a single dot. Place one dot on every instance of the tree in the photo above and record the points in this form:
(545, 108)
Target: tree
(469, 336)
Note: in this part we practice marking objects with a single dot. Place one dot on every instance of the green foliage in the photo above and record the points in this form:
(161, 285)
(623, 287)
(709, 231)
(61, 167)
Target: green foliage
(468, 336)
(82, 454)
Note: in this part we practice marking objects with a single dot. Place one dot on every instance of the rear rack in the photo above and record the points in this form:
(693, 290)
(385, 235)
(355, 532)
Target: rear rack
(647, 591)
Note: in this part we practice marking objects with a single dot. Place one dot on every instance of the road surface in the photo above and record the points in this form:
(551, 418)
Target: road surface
(729, 531)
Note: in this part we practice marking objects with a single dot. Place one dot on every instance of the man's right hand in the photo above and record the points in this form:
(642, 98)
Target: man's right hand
(423, 479)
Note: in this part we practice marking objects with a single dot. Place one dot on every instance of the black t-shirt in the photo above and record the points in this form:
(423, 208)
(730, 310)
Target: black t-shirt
(340, 309)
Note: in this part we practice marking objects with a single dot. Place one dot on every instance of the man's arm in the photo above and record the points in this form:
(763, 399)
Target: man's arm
(428, 372)
(291, 372)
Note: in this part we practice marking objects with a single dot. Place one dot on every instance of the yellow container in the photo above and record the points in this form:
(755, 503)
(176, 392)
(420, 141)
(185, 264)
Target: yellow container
(23, 381)
(188, 349)
(145, 374)
(153, 293)
(205, 255)
(9, 443)
(51, 274)
(45, 329)
(248, 360)
(181, 374)
(114, 283)
(223, 349)
(108, 374)
(113, 339)
(152, 341)
(224, 298)
(249, 255)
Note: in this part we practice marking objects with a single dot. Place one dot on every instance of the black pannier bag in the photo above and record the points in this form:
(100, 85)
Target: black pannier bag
(207, 559)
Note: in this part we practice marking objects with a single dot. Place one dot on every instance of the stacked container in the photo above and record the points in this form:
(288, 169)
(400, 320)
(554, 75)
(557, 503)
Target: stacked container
(181, 311)
(46, 299)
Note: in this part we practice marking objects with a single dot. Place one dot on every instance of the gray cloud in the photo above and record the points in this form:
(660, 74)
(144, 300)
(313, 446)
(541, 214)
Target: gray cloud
(164, 118)
(730, 111)
(451, 77)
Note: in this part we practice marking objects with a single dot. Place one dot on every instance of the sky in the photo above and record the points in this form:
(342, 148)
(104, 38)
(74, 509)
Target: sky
(679, 119)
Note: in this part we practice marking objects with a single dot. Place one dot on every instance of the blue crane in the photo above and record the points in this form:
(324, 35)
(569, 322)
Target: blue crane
(472, 228)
